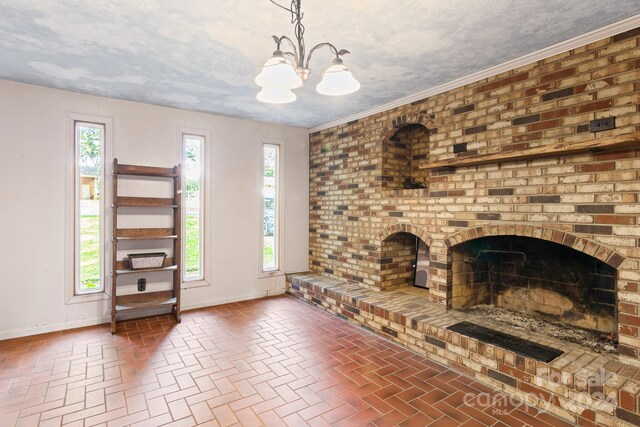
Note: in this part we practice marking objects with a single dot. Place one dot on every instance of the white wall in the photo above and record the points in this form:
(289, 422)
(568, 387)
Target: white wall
(34, 144)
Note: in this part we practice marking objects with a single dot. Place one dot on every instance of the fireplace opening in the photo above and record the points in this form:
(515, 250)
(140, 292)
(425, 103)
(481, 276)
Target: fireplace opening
(537, 278)
(401, 156)
(404, 261)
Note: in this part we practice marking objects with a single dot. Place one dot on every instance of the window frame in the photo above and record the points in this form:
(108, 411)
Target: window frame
(73, 294)
(279, 212)
(205, 205)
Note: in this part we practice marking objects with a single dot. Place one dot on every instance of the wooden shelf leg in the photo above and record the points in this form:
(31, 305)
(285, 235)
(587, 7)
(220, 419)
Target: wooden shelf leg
(113, 326)
(176, 313)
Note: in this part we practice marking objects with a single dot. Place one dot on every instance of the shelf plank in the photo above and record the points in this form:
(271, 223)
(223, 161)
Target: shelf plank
(145, 233)
(124, 264)
(147, 270)
(145, 202)
(145, 300)
(618, 142)
(145, 171)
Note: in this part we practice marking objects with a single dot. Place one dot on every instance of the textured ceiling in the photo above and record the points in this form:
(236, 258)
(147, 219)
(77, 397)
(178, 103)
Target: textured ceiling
(203, 55)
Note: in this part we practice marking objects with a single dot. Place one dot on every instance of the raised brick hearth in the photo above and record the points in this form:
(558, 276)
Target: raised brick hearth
(580, 386)
(363, 223)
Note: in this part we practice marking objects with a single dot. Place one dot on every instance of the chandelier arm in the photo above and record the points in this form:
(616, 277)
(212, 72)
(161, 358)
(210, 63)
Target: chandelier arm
(281, 6)
(295, 59)
(293, 47)
(321, 45)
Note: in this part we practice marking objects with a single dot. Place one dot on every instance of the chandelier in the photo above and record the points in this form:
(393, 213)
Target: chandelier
(288, 69)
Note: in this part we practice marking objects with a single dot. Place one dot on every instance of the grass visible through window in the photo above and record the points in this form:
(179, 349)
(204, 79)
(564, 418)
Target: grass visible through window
(192, 246)
(89, 251)
(267, 255)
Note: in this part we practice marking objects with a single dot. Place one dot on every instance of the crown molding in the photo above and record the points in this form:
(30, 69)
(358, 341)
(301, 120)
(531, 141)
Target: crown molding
(584, 39)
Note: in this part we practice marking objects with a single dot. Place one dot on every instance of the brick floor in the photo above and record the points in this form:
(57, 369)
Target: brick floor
(273, 362)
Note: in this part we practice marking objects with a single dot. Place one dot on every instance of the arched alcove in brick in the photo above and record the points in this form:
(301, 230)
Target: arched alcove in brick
(404, 145)
(404, 256)
(403, 120)
(405, 228)
(540, 272)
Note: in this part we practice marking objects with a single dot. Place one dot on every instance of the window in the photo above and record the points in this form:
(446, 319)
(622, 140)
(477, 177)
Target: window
(193, 207)
(89, 207)
(270, 211)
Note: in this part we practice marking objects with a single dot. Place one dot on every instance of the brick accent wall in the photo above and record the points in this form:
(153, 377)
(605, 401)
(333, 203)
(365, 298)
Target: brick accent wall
(588, 202)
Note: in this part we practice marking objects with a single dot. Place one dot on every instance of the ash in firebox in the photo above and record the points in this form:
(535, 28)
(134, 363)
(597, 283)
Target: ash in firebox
(596, 341)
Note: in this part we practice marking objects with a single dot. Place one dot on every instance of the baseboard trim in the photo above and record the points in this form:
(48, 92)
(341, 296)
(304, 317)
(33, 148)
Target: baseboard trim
(94, 321)
(52, 327)
(219, 301)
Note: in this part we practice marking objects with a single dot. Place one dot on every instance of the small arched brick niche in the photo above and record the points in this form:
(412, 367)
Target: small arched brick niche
(404, 259)
(535, 277)
(404, 146)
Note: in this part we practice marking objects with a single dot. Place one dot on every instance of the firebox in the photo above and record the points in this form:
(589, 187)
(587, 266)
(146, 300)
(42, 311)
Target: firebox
(537, 278)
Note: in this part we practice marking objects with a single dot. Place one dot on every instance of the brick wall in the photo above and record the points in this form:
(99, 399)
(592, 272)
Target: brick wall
(587, 201)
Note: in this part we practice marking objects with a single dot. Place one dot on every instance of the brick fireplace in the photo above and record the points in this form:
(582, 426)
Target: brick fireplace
(562, 223)
(585, 201)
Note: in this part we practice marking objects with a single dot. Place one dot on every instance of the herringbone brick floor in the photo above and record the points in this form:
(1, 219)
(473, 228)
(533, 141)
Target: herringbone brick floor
(272, 362)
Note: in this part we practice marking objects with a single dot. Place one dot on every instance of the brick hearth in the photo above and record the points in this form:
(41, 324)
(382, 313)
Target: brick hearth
(579, 386)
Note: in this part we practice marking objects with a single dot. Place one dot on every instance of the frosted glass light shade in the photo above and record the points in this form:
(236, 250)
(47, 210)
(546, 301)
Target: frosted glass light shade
(276, 95)
(337, 80)
(277, 72)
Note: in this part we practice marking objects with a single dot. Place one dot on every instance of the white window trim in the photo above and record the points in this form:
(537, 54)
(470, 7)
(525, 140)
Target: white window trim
(71, 237)
(206, 204)
(279, 271)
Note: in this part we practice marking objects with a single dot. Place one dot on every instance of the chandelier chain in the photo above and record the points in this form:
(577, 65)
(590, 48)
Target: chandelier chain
(296, 18)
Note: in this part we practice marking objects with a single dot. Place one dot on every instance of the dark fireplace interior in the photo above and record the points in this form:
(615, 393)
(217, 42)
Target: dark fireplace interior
(537, 278)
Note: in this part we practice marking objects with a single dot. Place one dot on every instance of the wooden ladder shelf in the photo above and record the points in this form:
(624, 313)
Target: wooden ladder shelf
(172, 264)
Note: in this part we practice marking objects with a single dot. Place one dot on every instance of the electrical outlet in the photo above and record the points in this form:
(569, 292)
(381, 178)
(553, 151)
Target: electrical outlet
(602, 124)
(142, 284)
(460, 148)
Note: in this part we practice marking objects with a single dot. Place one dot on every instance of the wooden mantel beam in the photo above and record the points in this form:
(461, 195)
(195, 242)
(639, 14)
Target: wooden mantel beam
(617, 142)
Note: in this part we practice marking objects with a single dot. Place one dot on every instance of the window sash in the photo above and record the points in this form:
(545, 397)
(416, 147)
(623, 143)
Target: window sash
(186, 139)
(275, 184)
(78, 210)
